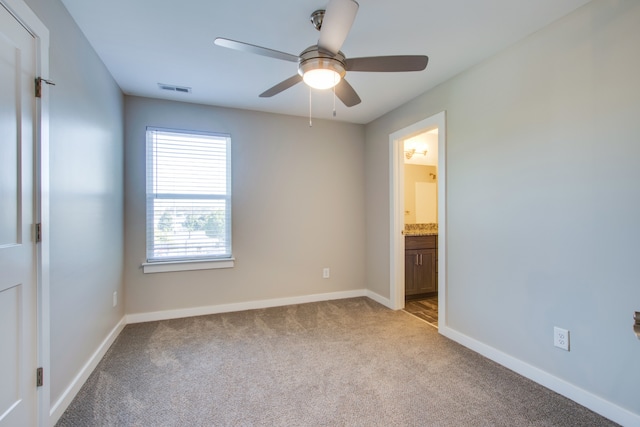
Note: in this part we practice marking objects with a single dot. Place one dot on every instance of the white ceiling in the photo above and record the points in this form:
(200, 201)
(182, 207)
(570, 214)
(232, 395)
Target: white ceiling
(146, 42)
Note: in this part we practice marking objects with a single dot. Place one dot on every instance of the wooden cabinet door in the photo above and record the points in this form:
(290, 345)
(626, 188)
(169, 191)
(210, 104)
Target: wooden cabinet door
(421, 265)
(426, 280)
(411, 259)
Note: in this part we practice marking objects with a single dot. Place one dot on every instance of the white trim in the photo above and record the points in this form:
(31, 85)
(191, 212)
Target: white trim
(379, 299)
(166, 266)
(396, 211)
(396, 225)
(81, 377)
(443, 290)
(241, 306)
(24, 14)
(30, 20)
(589, 400)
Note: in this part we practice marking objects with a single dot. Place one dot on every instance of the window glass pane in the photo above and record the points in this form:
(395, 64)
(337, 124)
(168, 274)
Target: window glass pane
(189, 228)
(188, 196)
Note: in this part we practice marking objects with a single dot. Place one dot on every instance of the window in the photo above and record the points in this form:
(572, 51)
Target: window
(188, 197)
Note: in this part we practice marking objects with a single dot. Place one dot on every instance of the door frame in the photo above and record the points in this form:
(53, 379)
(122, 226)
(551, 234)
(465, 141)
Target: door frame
(396, 225)
(23, 14)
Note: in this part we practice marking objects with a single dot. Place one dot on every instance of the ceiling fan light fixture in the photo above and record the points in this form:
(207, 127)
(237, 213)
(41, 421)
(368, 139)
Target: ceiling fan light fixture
(321, 78)
(321, 72)
(323, 65)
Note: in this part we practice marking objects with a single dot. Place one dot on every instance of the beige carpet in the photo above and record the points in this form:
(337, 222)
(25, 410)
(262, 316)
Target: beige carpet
(339, 363)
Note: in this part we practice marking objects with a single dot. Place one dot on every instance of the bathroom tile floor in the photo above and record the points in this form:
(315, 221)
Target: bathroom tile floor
(425, 308)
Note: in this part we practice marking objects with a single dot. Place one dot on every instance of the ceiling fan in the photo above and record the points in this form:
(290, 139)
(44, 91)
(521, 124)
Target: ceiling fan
(324, 66)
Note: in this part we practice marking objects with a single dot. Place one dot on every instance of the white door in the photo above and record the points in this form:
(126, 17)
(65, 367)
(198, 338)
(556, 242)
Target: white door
(18, 397)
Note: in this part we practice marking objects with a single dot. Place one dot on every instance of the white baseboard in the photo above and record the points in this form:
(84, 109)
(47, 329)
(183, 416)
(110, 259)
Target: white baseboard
(58, 408)
(240, 306)
(583, 397)
(379, 299)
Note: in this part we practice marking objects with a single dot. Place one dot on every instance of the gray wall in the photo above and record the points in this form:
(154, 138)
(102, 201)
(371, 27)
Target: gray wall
(86, 148)
(543, 198)
(298, 206)
(546, 237)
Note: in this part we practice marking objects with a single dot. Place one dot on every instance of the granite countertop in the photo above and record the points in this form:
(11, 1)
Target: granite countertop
(430, 229)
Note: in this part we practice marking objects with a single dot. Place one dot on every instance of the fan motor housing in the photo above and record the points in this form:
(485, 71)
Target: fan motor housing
(312, 58)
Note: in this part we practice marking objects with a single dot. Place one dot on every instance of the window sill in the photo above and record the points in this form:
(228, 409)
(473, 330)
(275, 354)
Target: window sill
(168, 266)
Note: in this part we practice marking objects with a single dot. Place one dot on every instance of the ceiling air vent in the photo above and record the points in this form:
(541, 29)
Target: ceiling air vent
(172, 88)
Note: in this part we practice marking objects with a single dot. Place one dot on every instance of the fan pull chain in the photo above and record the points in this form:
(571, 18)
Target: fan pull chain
(334, 101)
(335, 83)
(310, 122)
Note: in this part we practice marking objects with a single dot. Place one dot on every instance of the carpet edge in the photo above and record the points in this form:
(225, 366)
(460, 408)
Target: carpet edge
(67, 396)
(589, 400)
(252, 305)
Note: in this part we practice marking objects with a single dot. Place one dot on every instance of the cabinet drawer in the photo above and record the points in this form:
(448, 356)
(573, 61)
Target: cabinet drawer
(421, 242)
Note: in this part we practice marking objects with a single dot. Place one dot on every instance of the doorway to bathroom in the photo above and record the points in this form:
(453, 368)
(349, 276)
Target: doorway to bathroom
(418, 207)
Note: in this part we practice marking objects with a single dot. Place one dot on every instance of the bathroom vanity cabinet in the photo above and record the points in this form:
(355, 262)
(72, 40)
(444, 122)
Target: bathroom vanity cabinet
(421, 265)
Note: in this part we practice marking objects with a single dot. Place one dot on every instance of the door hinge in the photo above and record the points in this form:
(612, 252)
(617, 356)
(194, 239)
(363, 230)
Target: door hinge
(39, 81)
(39, 377)
(38, 232)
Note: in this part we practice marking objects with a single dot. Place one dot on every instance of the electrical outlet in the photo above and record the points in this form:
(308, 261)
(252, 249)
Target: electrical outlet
(115, 298)
(326, 273)
(561, 338)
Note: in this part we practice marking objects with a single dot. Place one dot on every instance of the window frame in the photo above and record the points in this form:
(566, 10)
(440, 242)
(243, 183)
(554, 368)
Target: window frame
(187, 262)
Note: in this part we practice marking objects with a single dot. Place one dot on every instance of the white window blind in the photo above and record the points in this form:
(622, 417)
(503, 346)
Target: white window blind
(188, 195)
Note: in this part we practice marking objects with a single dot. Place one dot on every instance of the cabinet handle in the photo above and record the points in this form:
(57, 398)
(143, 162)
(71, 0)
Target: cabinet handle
(420, 259)
(417, 260)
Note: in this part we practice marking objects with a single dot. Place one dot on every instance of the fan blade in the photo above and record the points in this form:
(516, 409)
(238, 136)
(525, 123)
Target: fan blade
(388, 63)
(347, 94)
(337, 21)
(283, 85)
(258, 50)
